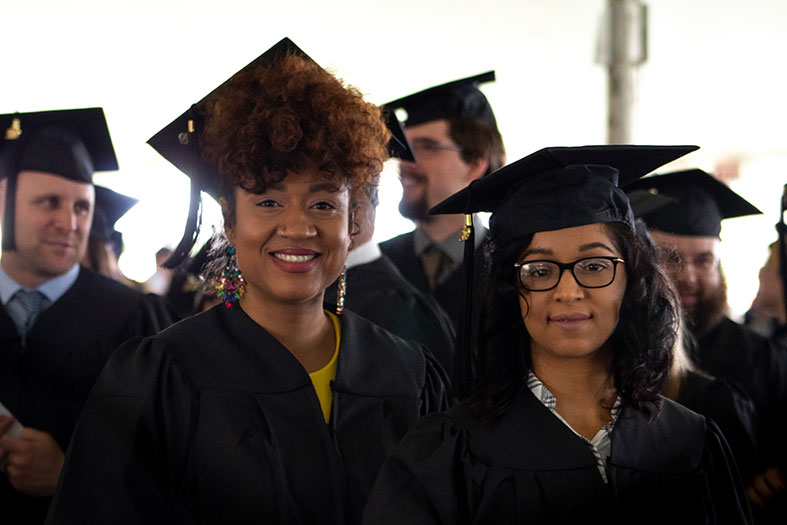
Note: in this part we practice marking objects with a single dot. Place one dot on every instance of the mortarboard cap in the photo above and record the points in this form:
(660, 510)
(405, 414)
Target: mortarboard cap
(551, 189)
(178, 142)
(460, 99)
(702, 202)
(398, 145)
(560, 187)
(643, 202)
(110, 206)
(71, 143)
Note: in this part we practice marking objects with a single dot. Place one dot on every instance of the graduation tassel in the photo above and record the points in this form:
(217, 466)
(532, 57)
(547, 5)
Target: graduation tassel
(464, 359)
(188, 139)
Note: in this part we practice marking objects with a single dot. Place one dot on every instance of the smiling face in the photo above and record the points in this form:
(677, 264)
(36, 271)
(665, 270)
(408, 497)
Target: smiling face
(52, 222)
(570, 321)
(439, 170)
(291, 240)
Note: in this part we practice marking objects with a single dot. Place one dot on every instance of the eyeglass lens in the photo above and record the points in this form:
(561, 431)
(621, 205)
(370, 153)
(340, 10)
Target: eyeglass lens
(594, 272)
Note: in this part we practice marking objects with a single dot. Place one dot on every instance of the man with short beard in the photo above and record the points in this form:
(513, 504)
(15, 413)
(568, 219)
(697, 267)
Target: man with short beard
(687, 236)
(454, 135)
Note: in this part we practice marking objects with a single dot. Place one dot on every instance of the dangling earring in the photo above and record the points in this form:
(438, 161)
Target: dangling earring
(341, 292)
(232, 285)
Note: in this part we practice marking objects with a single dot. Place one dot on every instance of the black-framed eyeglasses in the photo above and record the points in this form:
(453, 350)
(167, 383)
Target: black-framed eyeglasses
(589, 272)
(427, 147)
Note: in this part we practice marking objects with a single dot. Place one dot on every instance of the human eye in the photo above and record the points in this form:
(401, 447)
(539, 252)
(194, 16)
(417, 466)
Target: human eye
(266, 203)
(594, 265)
(538, 270)
(324, 205)
(704, 261)
(49, 202)
(426, 145)
(82, 208)
(669, 257)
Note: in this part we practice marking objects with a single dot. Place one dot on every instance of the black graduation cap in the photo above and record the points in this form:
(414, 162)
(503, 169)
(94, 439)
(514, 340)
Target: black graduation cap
(460, 99)
(702, 202)
(71, 143)
(179, 141)
(110, 206)
(644, 202)
(398, 145)
(551, 189)
(560, 187)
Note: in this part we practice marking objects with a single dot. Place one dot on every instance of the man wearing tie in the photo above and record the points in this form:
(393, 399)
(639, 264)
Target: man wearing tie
(59, 322)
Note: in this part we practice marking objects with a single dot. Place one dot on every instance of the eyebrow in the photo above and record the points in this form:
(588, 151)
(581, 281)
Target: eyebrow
(591, 245)
(582, 248)
(320, 186)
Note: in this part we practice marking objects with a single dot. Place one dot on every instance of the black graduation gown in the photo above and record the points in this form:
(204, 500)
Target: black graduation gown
(378, 291)
(214, 421)
(45, 384)
(735, 353)
(449, 294)
(528, 467)
(732, 410)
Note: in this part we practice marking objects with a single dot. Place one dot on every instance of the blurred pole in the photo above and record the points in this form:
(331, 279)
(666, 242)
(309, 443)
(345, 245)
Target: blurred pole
(623, 46)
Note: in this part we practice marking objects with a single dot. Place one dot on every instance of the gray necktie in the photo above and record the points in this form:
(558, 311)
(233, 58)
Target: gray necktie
(33, 302)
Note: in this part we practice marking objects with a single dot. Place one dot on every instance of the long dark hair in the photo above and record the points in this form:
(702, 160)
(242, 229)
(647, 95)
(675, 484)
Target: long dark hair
(642, 343)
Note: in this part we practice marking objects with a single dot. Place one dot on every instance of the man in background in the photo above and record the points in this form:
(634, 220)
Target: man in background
(454, 135)
(687, 236)
(59, 322)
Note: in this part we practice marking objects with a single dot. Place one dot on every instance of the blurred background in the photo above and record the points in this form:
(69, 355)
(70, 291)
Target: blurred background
(714, 75)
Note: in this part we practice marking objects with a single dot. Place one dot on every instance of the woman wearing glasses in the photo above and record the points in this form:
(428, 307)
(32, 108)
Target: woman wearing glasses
(564, 423)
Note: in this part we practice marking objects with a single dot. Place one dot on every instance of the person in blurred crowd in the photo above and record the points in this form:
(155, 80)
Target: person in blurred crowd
(768, 313)
(454, 136)
(105, 244)
(59, 321)
(687, 235)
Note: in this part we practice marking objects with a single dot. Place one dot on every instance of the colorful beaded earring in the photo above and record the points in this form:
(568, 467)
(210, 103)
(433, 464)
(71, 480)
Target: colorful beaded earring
(341, 292)
(231, 286)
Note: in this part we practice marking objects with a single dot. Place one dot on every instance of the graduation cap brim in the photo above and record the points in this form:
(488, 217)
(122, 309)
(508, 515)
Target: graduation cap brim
(678, 183)
(452, 100)
(113, 205)
(631, 162)
(89, 124)
(178, 141)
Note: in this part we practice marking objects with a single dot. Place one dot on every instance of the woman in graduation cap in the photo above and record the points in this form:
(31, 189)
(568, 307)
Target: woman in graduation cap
(564, 423)
(273, 407)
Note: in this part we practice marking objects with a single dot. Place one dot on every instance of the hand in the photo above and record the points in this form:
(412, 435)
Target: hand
(5, 425)
(766, 487)
(34, 461)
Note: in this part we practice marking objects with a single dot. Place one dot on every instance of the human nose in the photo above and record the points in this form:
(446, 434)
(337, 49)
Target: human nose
(296, 223)
(568, 288)
(66, 219)
(687, 273)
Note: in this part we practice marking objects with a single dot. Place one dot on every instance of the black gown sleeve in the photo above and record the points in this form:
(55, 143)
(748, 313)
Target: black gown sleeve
(152, 315)
(426, 480)
(127, 451)
(436, 394)
(727, 498)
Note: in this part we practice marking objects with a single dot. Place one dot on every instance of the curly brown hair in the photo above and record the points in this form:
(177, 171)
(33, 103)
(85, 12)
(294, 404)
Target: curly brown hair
(287, 116)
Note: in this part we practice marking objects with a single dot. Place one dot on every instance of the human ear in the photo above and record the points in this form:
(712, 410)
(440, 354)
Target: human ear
(229, 220)
(477, 168)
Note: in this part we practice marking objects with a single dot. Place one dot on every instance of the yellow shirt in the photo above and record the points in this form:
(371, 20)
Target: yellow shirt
(322, 378)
